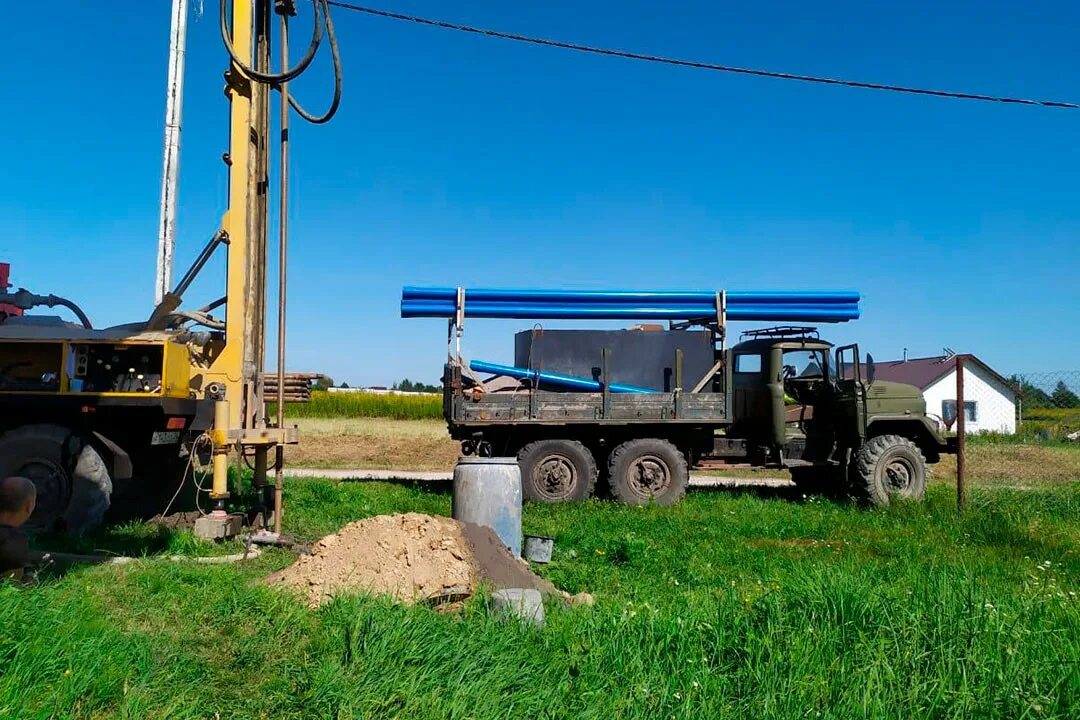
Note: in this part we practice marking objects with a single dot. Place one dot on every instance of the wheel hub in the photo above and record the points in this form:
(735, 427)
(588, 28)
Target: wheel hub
(53, 491)
(898, 476)
(555, 477)
(648, 476)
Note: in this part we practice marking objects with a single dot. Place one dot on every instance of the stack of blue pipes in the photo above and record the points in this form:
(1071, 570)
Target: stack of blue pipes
(756, 305)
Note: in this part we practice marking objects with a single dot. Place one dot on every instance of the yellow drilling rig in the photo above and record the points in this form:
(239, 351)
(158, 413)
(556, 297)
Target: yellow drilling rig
(112, 420)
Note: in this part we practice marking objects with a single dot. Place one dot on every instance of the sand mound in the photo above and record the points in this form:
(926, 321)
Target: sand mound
(411, 557)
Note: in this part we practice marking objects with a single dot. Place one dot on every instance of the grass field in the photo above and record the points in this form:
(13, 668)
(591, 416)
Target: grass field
(364, 405)
(728, 605)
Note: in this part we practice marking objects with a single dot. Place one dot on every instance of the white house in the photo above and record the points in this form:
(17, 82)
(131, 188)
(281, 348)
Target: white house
(989, 400)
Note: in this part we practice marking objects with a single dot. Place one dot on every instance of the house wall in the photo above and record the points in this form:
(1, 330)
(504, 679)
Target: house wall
(995, 402)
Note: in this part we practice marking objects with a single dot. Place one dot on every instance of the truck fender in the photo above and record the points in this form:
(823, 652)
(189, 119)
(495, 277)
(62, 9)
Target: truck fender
(115, 457)
(918, 428)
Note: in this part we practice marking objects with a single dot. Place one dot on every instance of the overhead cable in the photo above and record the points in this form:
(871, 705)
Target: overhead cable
(629, 55)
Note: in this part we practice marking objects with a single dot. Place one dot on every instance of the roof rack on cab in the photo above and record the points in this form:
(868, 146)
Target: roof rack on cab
(783, 331)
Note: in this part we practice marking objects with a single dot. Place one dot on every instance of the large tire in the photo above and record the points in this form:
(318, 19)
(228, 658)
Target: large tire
(887, 468)
(648, 470)
(555, 471)
(73, 484)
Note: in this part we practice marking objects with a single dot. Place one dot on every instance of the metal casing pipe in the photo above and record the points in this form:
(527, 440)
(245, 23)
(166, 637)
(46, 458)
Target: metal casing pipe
(582, 311)
(636, 297)
(559, 380)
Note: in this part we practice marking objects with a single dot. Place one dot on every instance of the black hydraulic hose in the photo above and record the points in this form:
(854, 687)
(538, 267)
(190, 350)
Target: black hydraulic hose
(335, 54)
(318, 7)
(54, 300)
(26, 300)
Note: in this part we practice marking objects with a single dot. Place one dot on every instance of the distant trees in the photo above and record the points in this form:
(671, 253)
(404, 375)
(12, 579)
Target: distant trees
(1032, 396)
(323, 382)
(408, 385)
(1063, 397)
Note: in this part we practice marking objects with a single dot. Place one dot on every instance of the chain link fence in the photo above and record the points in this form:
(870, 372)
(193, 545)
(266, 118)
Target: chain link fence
(1020, 431)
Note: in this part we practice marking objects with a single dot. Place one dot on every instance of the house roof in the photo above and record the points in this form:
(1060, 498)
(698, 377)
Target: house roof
(924, 372)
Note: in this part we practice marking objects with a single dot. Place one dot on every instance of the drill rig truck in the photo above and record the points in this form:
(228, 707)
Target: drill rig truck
(108, 420)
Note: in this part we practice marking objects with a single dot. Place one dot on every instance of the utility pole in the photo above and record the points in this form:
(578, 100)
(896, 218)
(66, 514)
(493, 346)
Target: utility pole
(174, 102)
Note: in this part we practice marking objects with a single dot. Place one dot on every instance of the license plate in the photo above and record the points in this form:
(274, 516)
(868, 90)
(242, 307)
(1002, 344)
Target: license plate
(165, 438)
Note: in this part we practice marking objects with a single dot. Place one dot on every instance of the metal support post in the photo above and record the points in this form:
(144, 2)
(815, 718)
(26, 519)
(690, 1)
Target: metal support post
(219, 525)
(961, 431)
(605, 359)
(283, 248)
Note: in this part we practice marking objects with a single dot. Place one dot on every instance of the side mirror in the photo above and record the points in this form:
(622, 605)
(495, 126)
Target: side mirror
(870, 368)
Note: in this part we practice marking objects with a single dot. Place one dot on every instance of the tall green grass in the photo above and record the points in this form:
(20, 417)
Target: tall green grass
(725, 606)
(363, 404)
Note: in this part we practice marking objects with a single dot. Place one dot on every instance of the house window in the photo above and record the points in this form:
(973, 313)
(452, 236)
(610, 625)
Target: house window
(971, 411)
(748, 363)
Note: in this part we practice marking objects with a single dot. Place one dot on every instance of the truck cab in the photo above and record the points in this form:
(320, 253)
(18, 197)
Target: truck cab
(803, 404)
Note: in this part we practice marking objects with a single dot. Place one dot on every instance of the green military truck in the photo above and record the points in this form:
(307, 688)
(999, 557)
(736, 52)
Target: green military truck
(781, 398)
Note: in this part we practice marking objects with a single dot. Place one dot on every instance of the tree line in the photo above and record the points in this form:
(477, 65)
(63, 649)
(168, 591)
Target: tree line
(1033, 396)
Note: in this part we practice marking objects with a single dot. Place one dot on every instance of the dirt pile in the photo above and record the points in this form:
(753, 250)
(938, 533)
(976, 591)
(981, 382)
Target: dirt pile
(411, 557)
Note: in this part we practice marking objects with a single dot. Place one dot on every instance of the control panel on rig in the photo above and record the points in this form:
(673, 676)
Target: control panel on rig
(143, 368)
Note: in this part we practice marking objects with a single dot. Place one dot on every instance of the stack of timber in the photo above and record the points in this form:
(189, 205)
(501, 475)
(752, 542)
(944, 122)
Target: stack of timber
(297, 386)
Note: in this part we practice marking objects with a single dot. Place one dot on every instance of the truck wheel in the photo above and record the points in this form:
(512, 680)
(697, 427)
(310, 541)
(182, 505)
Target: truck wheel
(557, 471)
(73, 484)
(889, 467)
(648, 470)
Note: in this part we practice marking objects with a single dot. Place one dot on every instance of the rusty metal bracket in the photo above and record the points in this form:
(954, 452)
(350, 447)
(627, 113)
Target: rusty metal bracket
(261, 436)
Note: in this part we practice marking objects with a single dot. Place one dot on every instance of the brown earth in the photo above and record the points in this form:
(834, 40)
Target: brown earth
(1007, 464)
(410, 557)
(373, 443)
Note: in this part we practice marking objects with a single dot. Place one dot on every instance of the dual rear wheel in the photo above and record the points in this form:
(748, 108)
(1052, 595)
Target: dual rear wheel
(638, 471)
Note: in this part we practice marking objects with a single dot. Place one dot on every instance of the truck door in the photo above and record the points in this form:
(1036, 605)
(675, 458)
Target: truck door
(749, 395)
(805, 392)
(850, 405)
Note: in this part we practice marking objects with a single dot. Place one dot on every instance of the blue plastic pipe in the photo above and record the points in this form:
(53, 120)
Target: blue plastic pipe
(592, 311)
(566, 382)
(634, 297)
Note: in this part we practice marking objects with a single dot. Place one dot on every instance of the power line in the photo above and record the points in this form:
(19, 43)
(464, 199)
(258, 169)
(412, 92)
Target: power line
(700, 65)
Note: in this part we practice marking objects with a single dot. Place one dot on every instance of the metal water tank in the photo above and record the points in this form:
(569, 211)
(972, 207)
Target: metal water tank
(487, 491)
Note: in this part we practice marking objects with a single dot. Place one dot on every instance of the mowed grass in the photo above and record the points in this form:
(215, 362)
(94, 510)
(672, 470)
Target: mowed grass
(725, 606)
(364, 405)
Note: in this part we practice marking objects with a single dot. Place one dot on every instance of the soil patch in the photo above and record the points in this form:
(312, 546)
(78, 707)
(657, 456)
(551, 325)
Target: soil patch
(374, 443)
(410, 557)
(497, 565)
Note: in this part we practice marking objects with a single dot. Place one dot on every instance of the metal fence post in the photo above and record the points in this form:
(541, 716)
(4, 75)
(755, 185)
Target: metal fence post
(960, 431)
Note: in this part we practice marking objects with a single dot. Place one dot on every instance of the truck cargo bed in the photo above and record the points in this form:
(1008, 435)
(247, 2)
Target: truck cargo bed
(564, 408)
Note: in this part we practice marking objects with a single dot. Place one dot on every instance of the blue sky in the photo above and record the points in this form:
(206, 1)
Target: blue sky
(458, 160)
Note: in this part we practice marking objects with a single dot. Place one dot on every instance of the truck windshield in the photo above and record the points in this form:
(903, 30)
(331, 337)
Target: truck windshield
(804, 364)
